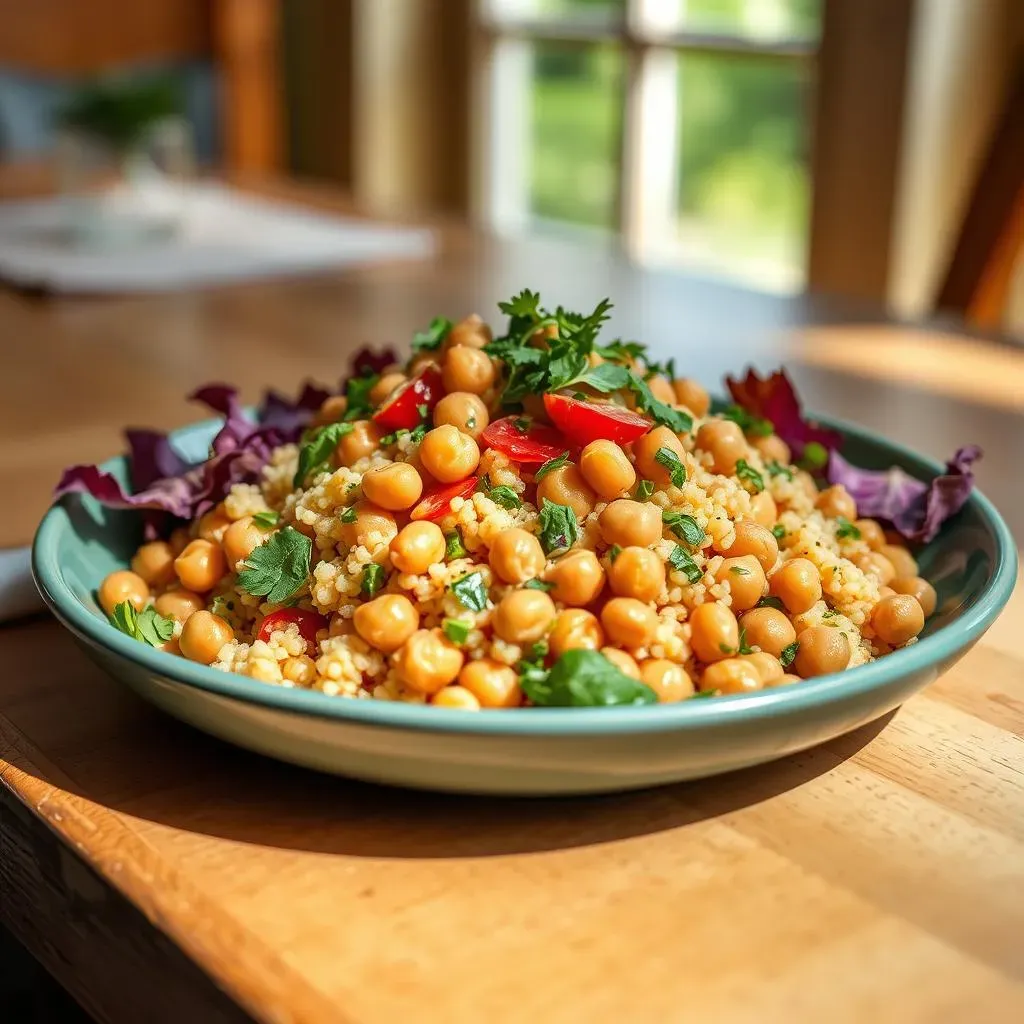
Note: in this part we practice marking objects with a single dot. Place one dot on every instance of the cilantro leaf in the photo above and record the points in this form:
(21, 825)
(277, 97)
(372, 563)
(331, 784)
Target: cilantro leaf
(505, 497)
(457, 630)
(739, 570)
(671, 461)
(431, 338)
(676, 420)
(147, 626)
(771, 602)
(350, 515)
(846, 530)
(373, 579)
(582, 678)
(621, 351)
(266, 520)
(778, 531)
(471, 591)
(613, 552)
(551, 464)
(536, 584)
(778, 469)
(755, 426)
(453, 546)
(279, 568)
(744, 647)
(684, 527)
(317, 448)
(748, 475)
(559, 527)
(789, 654)
(644, 490)
(681, 559)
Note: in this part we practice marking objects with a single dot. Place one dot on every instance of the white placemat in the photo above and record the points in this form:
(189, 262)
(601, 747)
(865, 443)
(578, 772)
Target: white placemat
(224, 236)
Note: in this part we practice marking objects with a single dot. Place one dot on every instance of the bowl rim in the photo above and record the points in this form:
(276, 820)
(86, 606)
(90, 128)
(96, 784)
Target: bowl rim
(565, 722)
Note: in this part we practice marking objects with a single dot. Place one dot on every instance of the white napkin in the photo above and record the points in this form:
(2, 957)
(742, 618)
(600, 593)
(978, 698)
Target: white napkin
(18, 594)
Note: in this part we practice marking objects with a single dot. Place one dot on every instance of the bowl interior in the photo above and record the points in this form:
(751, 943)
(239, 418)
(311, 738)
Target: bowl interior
(972, 565)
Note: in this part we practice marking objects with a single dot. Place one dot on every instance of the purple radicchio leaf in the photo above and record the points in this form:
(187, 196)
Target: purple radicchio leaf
(292, 417)
(915, 509)
(368, 361)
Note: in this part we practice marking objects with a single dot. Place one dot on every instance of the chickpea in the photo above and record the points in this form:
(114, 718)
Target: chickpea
(805, 482)
(726, 443)
(768, 667)
(822, 649)
(732, 675)
(387, 621)
(667, 679)
(871, 533)
(371, 526)
(637, 572)
(787, 679)
(202, 637)
(242, 537)
(835, 501)
(691, 394)
(359, 443)
(919, 589)
(421, 362)
(123, 586)
(213, 525)
(200, 566)
(493, 684)
(578, 578)
(449, 455)
(455, 697)
(154, 562)
(876, 564)
(566, 486)
(769, 629)
(471, 331)
(178, 604)
(772, 449)
(662, 389)
(624, 662)
(523, 616)
(332, 410)
(797, 584)
(427, 661)
(629, 622)
(627, 522)
(516, 556)
(903, 562)
(645, 449)
(754, 539)
(575, 628)
(396, 486)
(747, 583)
(464, 411)
(763, 509)
(605, 467)
(714, 632)
(417, 547)
(897, 619)
(387, 383)
(467, 369)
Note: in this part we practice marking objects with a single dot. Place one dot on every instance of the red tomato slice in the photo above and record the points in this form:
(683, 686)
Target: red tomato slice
(537, 443)
(400, 411)
(583, 422)
(437, 504)
(309, 624)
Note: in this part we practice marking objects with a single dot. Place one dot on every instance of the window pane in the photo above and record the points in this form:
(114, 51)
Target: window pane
(583, 12)
(742, 167)
(761, 20)
(575, 133)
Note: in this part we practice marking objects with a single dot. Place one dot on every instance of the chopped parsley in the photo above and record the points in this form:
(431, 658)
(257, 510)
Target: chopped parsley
(671, 461)
(845, 530)
(582, 678)
(789, 654)
(620, 351)
(266, 520)
(744, 647)
(779, 531)
(778, 469)
(814, 457)
(771, 602)
(740, 570)
(357, 394)
(613, 552)
(505, 497)
(431, 338)
(683, 526)
(522, 424)
(550, 465)
(559, 528)
(415, 435)
(536, 584)
(349, 516)
(423, 410)
(748, 475)
(644, 490)
(471, 592)
(147, 626)
(457, 630)
(453, 546)
(681, 559)
(317, 449)
(279, 568)
(755, 426)
(373, 579)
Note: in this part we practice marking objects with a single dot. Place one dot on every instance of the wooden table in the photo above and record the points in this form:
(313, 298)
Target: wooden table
(163, 876)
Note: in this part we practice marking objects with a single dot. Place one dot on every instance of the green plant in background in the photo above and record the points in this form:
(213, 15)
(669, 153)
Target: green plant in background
(121, 114)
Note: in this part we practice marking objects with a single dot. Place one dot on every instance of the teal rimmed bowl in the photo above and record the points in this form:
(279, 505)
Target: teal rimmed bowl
(972, 564)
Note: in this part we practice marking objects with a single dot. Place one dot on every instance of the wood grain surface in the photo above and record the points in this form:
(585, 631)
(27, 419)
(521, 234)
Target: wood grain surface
(164, 876)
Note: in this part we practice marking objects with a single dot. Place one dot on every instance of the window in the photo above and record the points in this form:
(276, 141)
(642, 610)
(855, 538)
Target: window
(681, 124)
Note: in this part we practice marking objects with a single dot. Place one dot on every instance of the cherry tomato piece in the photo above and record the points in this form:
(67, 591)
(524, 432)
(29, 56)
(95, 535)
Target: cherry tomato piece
(401, 411)
(583, 422)
(309, 624)
(522, 440)
(436, 504)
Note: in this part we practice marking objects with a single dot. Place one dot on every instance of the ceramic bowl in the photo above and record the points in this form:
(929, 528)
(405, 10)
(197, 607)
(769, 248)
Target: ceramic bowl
(526, 751)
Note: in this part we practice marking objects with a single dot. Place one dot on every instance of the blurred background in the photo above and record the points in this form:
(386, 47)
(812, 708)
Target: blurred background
(863, 148)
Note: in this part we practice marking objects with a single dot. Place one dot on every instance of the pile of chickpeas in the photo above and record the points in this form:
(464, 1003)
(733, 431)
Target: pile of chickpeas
(605, 604)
